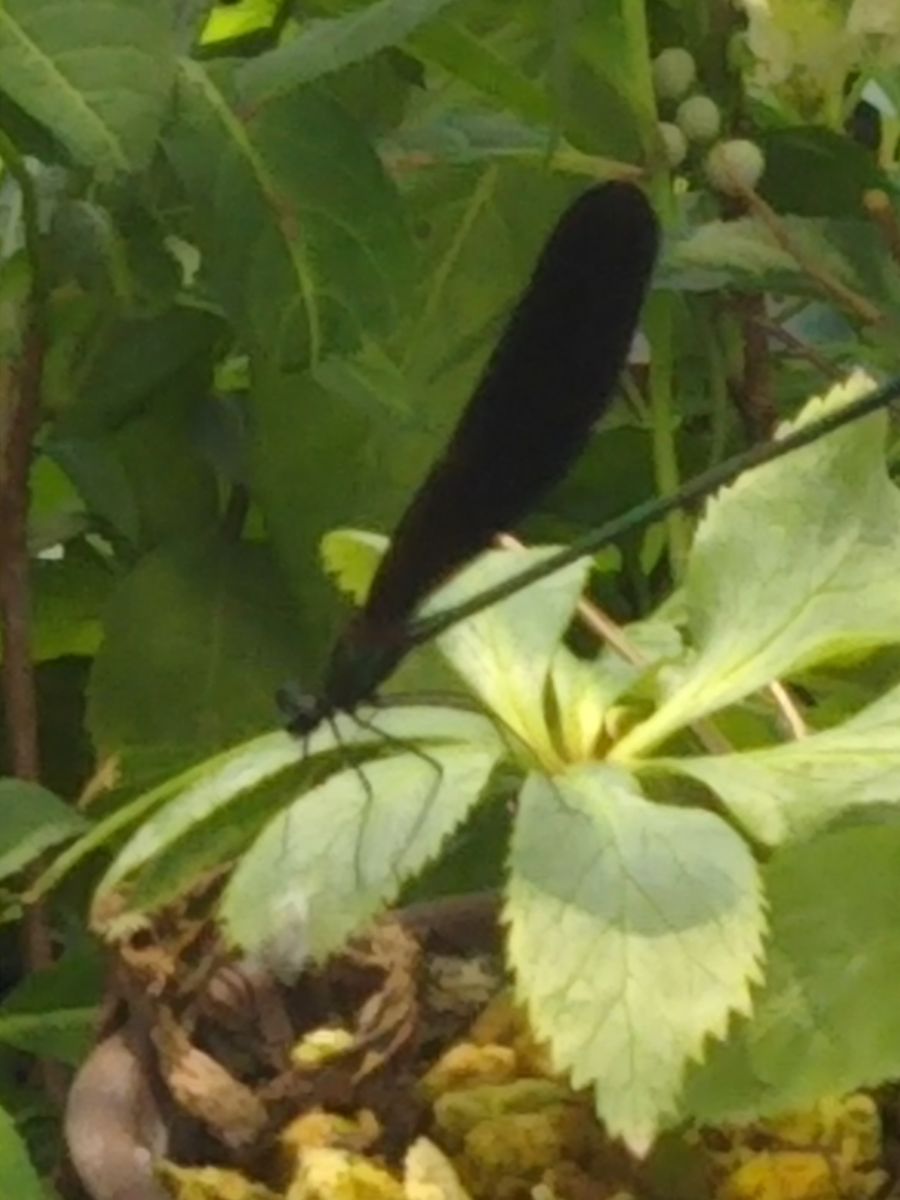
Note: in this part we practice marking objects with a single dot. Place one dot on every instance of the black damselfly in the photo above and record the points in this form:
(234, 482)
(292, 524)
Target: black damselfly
(551, 377)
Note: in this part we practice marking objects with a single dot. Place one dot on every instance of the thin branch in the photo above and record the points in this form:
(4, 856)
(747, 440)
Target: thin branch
(21, 381)
(789, 709)
(20, 404)
(19, 407)
(799, 348)
(845, 296)
(754, 393)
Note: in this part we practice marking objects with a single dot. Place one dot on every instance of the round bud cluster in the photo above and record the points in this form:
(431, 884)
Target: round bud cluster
(694, 119)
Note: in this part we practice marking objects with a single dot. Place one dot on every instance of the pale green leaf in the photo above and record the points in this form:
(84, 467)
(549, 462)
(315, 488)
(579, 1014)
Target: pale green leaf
(197, 842)
(586, 690)
(795, 789)
(504, 653)
(225, 774)
(193, 796)
(827, 1021)
(98, 73)
(301, 231)
(635, 931)
(580, 704)
(18, 1176)
(32, 820)
(601, 684)
(212, 788)
(796, 562)
(343, 850)
(328, 45)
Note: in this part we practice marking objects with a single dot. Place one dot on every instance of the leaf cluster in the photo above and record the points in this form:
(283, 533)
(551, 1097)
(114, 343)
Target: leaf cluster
(263, 250)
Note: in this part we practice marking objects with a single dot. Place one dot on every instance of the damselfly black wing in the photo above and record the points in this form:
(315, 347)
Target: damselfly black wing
(550, 378)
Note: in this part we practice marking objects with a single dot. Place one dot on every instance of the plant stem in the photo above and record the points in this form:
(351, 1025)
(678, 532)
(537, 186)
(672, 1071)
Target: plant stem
(718, 383)
(847, 298)
(659, 310)
(19, 405)
(21, 381)
(20, 401)
(754, 390)
(662, 426)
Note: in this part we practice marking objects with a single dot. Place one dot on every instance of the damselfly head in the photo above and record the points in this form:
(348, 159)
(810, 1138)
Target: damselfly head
(362, 658)
(301, 711)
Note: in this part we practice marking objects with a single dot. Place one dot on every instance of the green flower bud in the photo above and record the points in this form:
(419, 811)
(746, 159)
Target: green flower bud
(675, 143)
(674, 71)
(699, 118)
(735, 164)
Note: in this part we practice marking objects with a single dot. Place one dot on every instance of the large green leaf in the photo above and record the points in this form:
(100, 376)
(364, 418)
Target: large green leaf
(793, 790)
(471, 58)
(344, 849)
(301, 431)
(817, 172)
(115, 374)
(18, 1176)
(98, 73)
(159, 445)
(384, 454)
(220, 836)
(635, 931)
(97, 475)
(485, 228)
(223, 631)
(827, 1021)
(32, 820)
(326, 46)
(301, 231)
(796, 562)
(602, 80)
